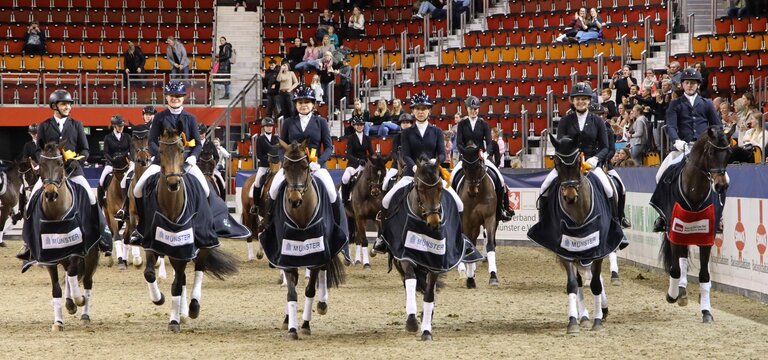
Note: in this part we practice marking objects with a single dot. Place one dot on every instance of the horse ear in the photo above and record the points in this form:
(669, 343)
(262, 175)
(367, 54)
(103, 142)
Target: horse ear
(286, 147)
(711, 132)
(730, 132)
(305, 143)
(62, 145)
(553, 140)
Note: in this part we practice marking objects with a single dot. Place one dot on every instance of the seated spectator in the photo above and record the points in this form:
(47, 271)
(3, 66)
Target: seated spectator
(623, 159)
(325, 20)
(356, 25)
(448, 149)
(327, 45)
(737, 8)
(608, 104)
(638, 134)
(749, 140)
(499, 148)
(594, 24)
(430, 7)
(311, 59)
(577, 24)
(318, 88)
(727, 116)
(34, 40)
(334, 39)
(396, 110)
(296, 53)
(378, 120)
(345, 79)
(674, 74)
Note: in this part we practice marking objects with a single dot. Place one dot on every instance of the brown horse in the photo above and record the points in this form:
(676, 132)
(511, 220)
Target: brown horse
(57, 200)
(141, 160)
(300, 204)
(115, 200)
(29, 176)
(479, 198)
(207, 165)
(703, 172)
(365, 200)
(11, 197)
(171, 200)
(252, 221)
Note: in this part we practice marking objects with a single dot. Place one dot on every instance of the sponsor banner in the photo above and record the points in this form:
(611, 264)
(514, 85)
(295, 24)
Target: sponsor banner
(576, 244)
(424, 243)
(303, 248)
(182, 238)
(60, 241)
(523, 201)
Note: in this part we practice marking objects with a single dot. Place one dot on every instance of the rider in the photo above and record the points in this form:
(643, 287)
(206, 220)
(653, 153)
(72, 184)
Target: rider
(404, 121)
(175, 91)
(27, 154)
(148, 113)
(114, 143)
(475, 129)
(688, 117)
(61, 128)
(210, 148)
(358, 149)
(264, 144)
(593, 142)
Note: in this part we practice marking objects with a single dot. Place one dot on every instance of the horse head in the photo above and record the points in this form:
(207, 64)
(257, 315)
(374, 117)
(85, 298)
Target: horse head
(429, 191)
(474, 167)
(207, 163)
(710, 155)
(171, 155)
(273, 157)
(52, 170)
(568, 166)
(376, 168)
(296, 170)
(140, 146)
(121, 162)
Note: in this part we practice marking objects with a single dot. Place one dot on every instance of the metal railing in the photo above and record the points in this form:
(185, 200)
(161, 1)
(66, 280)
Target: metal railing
(668, 44)
(485, 14)
(624, 50)
(331, 98)
(691, 21)
(21, 80)
(416, 62)
(600, 73)
(356, 76)
(427, 30)
(391, 78)
(647, 32)
(449, 17)
(343, 106)
(524, 120)
(367, 90)
(440, 39)
(643, 61)
(403, 46)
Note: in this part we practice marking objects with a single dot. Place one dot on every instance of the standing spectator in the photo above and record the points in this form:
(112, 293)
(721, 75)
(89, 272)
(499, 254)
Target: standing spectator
(608, 104)
(327, 46)
(377, 119)
(497, 153)
(457, 117)
(318, 89)
(296, 53)
(356, 25)
(674, 74)
(332, 36)
(345, 78)
(223, 155)
(311, 57)
(225, 66)
(448, 150)
(638, 136)
(325, 20)
(704, 89)
(650, 80)
(594, 24)
(177, 56)
(134, 61)
(327, 73)
(288, 82)
(622, 82)
(273, 88)
(34, 40)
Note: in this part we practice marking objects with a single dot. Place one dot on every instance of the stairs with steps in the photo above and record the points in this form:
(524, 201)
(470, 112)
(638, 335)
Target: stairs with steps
(240, 28)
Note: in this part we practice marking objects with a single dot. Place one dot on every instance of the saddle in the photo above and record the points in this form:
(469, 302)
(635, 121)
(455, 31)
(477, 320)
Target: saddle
(458, 179)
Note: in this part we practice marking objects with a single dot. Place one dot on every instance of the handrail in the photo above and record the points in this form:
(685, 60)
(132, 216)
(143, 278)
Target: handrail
(647, 32)
(463, 26)
(416, 62)
(343, 105)
(713, 8)
(485, 15)
(691, 20)
(331, 98)
(403, 46)
(550, 107)
(367, 87)
(667, 50)
(226, 114)
(574, 79)
(643, 62)
(624, 48)
(524, 119)
(356, 80)
(427, 31)
(600, 74)
(380, 62)
(392, 70)
(544, 145)
(440, 34)
(449, 16)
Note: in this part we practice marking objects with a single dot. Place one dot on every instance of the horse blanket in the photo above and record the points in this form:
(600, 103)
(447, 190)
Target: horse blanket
(598, 236)
(410, 238)
(288, 245)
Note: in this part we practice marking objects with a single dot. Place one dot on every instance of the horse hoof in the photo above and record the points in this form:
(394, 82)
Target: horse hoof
(707, 317)
(161, 301)
(493, 281)
(615, 281)
(122, 265)
(671, 300)
(71, 307)
(605, 313)
(682, 300)
(598, 325)
(79, 301)
(57, 326)
(293, 335)
(85, 319)
(137, 261)
(471, 283)
(285, 323)
(573, 326)
(584, 320)
(305, 330)
(372, 253)
(173, 326)
(194, 309)
(183, 319)
(358, 262)
(426, 336)
(260, 255)
(366, 266)
(110, 260)
(322, 307)
(411, 324)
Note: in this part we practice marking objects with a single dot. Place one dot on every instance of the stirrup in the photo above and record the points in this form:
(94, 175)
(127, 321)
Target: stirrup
(380, 246)
(254, 210)
(120, 215)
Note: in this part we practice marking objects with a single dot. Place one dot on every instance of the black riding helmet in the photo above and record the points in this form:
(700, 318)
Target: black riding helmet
(357, 119)
(690, 74)
(117, 120)
(32, 129)
(421, 99)
(303, 92)
(59, 96)
(581, 89)
(268, 121)
(472, 102)
(405, 117)
(202, 128)
(149, 109)
(175, 88)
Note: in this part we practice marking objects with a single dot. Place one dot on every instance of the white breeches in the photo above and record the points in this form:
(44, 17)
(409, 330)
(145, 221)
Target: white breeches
(391, 173)
(615, 174)
(259, 175)
(488, 163)
(80, 180)
(320, 174)
(404, 181)
(107, 170)
(597, 171)
(350, 172)
(138, 190)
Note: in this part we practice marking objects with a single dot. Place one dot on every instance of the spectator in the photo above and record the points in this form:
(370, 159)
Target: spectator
(134, 60)
(572, 29)
(737, 8)
(177, 56)
(288, 81)
(396, 111)
(358, 110)
(327, 73)
(223, 155)
(311, 57)
(594, 24)
(448, 149)
(296, 53)
(224, 57)
(430, 7)
(325, 20)
(621, 83)
(334, 39)
(608, 104)
(356, 25)
(345, 79)
(378, 118)
(650, 80)
(239, 3)
(318, 88)
(638, 134)
(704, 88)
(633, 95)
(624, 159)
(751, 138)
(327, 46)
(273, 88)
(34, 40)
(674, 74)
(499, 148)
(456, 120)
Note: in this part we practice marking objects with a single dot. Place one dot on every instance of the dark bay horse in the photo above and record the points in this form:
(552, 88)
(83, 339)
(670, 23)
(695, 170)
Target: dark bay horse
(576, 198)
(171, 200)
(57, 201)
(207, 165)
(252, 221)
(703, 172)
(29, 175)
(365, 201)
(141, 161)
(115, 197)
(11, 197)
(300, 203)
(479, 198)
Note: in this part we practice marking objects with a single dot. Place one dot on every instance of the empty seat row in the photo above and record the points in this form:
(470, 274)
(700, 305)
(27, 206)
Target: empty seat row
(540, 52)
(311, 16)
(535, 6)
(736, 59)
(495, 88)
(728, 43)
(107, 63)
(517, 70)
(747, 25)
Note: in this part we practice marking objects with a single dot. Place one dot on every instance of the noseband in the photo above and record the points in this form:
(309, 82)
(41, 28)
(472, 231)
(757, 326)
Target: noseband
(300, 187)
(477, 163)
(56, 182)
(569, 160)
(425, 212)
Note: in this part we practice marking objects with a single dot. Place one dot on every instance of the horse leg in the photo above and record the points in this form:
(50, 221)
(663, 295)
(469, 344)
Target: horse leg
(249, 242)
(74, 284)
(136, 254)
(322, 291)
(292, 277)
(428, 307)
(490, 249)
(572, 289)
(583, 312)
(58, 316)
(471, 267)
(179, 280)
(675, 293)
(596, 285)
(160, 264)
(91, 262)
(409, 276)
(705, 285)
(358, 251)
(614, 264)
(155, 295)
(197, 286)
(309, 300)
(362, 239)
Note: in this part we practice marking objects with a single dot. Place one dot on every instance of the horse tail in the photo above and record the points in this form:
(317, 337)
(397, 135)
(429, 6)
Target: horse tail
(220, 263)
(665, 253)
(336, 273)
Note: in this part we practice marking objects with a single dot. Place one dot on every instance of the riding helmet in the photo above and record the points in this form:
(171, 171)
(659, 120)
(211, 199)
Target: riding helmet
(405, 117)
(581, 89)
(421, 99)
(357, 119)
(690, 74)
(201, 128)
(149, 109)
(32, 129)
(472, 102)
(303, 92)
(59, 96)
(267, 121)
(175, 88)
(117, 120)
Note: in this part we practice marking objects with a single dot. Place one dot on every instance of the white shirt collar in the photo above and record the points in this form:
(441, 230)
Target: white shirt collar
(304, 120)
(176, 111)
(422, 127)
(472, 122)
(269, 136)
(117, 134)
(582, 118)
(691, 98)
(359, 137)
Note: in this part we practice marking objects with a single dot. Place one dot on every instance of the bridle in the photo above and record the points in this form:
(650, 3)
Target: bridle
(425, 212)
(180, 175)
(208, 158)
(143, 161)
(717, 170)
(569, 160)
(55, 182)
(300, 187)
(472, 165)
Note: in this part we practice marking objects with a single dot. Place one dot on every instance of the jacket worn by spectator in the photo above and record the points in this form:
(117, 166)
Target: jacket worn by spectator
(224, 56)
(134, 61)
(270, 81)
(177, 54)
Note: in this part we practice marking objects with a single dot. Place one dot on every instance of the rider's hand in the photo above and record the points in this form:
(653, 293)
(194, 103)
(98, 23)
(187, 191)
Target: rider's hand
(592, 161)
(314, 166)
(680, 145)
(192, 160)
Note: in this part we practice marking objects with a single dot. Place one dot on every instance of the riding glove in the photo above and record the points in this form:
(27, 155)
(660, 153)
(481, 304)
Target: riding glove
(680, 145)
(192, 160)
(593, 161)
(314, 166)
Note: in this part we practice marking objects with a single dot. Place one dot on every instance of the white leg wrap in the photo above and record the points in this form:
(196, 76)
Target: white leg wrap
(410, 296)
(136, 252)
(322, 286)
(683, 272)
(154, 291)
(74, 287)
(80, 180)
(184, 306)
(603, 295)
(307, 273)
(358, 253)
(674, 290)
(58, 315)
(366, 260)
(462, 269)
(250, 251)
(138, 189)
(292, 313)
(471, 270)
(587, 274)
(119, 250)
(598, 307)
(572, 307)
(176, 309)
(307, 314)
(491, 261)
(195, 171)
(88, 299)
(161, 270)
(612, 259)
(197, 288)
(426, 321)
(705, 289)
(583, 312)
(67, 291)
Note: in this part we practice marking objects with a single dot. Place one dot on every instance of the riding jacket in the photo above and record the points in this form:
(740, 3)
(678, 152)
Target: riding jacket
(264, 146)
(480, 135)
(72, 132)
(593, 140)
(358, 152)
(686, 122)
(166, 120)
(414, 145)
(113, 146)
(317, 132)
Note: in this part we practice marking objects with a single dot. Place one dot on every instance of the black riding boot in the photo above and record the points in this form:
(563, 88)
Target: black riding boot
(105, 236)
(256, 195)
(121, 214)
(660, 225)
(380, 246)
(345, 193)
(100, 196)
(267, 219)
(622, 216)
(137, 234)
(542, 204)
(504, 213)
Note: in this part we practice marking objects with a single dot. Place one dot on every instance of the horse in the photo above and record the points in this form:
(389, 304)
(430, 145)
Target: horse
(171, 202)
(702, 172)
(57, 200)
(479, 198)
(300, 203)
(365, 201)
(11, 196)
(250, 220)
(29, 176)
(141, 160)
(207, 165)
(115, 198)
